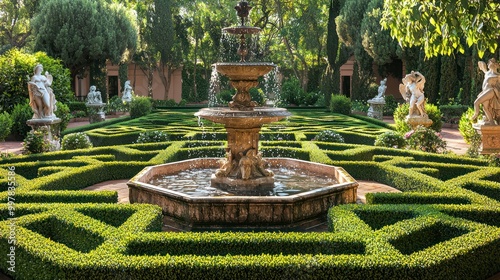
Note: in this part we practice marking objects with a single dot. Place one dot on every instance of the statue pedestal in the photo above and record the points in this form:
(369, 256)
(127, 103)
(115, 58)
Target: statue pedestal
(490, 138)
(52, 128)
(96, 113)
(415, 120)
(376, 109)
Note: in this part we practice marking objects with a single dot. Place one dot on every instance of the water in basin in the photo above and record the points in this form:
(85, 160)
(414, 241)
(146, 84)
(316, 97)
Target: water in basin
(196, 182)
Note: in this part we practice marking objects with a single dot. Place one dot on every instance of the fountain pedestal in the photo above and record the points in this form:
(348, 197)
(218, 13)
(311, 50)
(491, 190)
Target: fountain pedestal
(243, 166)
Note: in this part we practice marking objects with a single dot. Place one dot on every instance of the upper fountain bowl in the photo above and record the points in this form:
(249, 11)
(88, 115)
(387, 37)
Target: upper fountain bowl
(242, 30)
(244, 71)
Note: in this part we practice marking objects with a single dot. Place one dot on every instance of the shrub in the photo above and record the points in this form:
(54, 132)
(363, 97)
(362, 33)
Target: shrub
(329, 136)
(75, 141)
(116, 105)
(79, 114)
(470, 135)
(20, 115)
(35, 142)
(360, 106)
(390, 105)
(258, 96)
(16, 68)
(390, 139)
(402, 111)
(151, 136)
(311, 98)
(340, 104)
(494, 160)
(425, 139)
(164, 103)
(5, 125)
(64, 114)
(292, 92)
(452, 113)
(140, 106)
(224, 97)
(77, 106)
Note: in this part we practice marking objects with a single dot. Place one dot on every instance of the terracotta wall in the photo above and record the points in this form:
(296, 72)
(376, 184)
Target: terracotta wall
(347, 70)
(139, 82)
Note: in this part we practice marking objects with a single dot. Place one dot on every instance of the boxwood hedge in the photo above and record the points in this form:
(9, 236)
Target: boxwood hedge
(444, 225)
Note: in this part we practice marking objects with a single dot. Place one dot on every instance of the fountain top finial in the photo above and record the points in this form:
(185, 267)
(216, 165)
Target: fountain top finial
(243, 10)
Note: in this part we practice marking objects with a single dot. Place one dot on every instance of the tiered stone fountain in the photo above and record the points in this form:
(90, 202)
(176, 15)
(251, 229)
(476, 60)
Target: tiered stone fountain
(243, 175)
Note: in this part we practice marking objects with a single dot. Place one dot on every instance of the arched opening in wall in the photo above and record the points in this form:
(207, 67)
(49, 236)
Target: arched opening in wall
(346, 86)
(112, 86)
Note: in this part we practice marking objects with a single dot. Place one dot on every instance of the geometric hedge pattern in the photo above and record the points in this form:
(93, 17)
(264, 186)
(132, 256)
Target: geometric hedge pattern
(445, 224)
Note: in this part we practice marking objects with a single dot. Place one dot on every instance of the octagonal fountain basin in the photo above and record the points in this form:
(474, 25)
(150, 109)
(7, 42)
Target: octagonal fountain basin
(244, 71)
(188, 200)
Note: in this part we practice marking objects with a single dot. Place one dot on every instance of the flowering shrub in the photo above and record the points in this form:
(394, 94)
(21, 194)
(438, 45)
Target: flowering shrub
(152, 136)
(36, 142)
(390, 139)
(425, 139)
(75, 141)
(329, 136)
(494, 160)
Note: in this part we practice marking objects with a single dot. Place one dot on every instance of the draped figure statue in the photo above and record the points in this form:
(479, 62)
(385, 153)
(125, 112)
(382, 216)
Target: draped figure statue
(42, 98)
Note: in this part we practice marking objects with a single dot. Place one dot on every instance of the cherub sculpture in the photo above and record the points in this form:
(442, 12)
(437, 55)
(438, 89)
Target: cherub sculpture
(412, 90)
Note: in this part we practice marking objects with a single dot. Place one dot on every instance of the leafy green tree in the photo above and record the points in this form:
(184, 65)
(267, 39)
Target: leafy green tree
(15, 29)
(376, 42)
(81, 32)
(443, 27)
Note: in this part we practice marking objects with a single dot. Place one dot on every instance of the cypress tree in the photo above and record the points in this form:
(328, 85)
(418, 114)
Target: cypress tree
(448, 84)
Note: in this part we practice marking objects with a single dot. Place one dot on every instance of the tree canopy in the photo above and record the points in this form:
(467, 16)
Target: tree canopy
(443, 27)
(80, 32)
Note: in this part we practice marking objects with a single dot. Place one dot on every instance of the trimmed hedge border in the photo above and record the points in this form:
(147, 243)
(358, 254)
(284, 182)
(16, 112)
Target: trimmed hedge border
(445, 224)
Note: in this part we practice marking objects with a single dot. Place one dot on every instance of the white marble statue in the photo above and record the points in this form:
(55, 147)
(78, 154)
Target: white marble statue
(42, 98)
(94, 97)
(127, 92)
(489, 97)
(381, 90)
(412, 90)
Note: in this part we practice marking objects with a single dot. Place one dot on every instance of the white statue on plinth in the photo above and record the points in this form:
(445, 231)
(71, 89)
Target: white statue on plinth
(381, 90)
(377, 103)
(412, 90)
(127, 92)
(94, 97)
(489, 97)
(42, 98)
